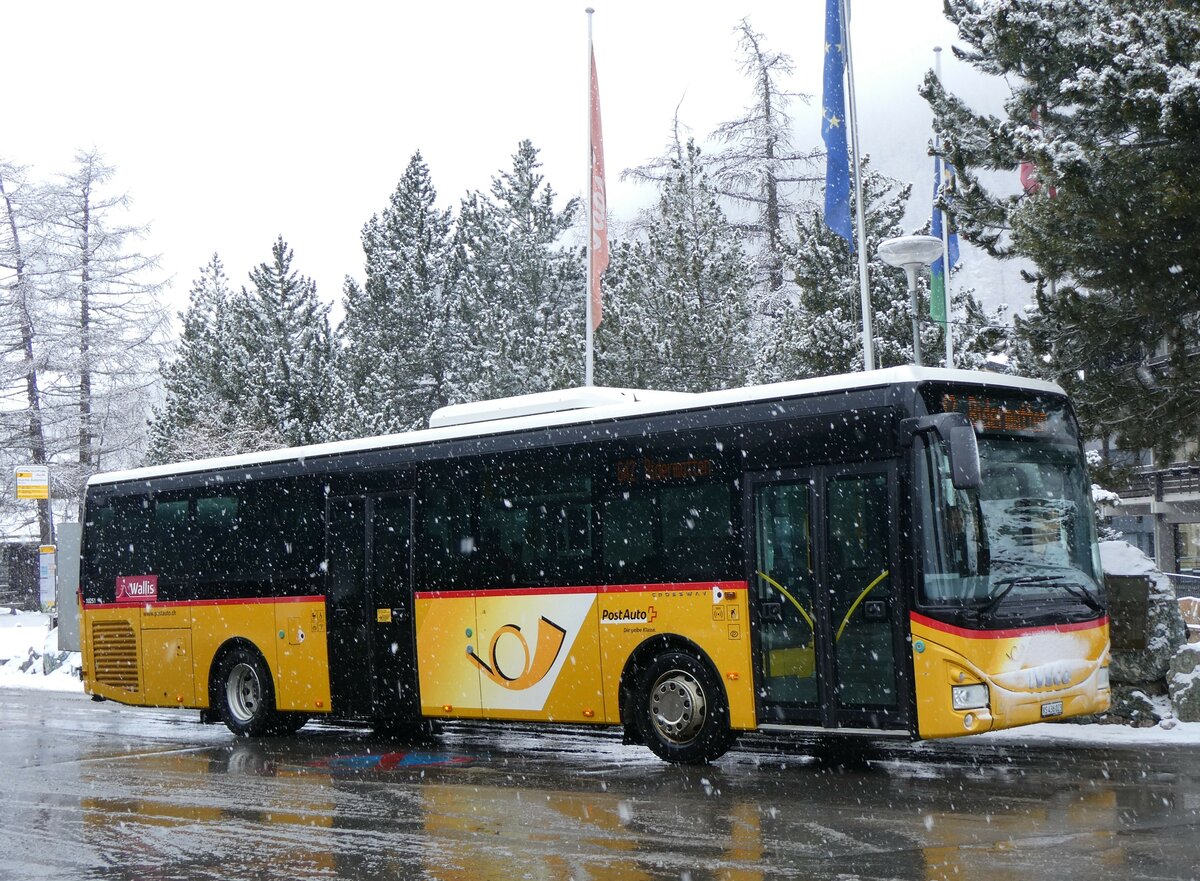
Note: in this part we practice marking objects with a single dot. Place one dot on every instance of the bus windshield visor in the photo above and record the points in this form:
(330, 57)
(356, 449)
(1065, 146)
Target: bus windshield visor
(1025, 538)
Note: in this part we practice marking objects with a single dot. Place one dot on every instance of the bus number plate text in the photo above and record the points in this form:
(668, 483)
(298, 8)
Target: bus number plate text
(1054, 708)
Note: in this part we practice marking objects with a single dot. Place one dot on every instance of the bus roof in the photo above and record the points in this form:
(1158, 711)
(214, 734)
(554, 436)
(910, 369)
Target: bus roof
(517, 414)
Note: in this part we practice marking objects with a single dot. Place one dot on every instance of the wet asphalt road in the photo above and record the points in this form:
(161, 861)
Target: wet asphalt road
(91, 791)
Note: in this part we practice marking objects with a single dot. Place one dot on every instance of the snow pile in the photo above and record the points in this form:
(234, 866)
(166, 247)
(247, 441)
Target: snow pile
(1183, 682)
(26, 641)
(1152, 684)
(1122, 558)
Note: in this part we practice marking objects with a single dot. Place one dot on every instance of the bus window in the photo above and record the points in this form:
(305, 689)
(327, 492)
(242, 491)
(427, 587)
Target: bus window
(697, 531)
(630, 529)
(120, 541)
(174, 541)
(216, 527)
(535, 527)
(448, 542)
(670, 533)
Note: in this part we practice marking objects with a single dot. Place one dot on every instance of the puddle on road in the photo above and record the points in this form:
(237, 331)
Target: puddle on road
(312, 808)
(389, 761)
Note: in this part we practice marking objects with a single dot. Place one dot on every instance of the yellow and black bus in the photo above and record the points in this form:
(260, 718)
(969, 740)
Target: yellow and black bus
(907, 550)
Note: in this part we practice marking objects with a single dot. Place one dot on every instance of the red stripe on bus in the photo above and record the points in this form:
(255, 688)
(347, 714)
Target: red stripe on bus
(242, 601)
(601, 588)
(1006, 634)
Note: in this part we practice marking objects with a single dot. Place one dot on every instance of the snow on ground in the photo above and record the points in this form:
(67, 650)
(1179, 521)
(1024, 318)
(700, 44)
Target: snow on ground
(1169, 732)
(23, 641)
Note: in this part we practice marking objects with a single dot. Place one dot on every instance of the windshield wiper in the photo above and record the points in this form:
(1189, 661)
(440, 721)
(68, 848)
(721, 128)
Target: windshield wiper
(994, 599)
(1082, 594)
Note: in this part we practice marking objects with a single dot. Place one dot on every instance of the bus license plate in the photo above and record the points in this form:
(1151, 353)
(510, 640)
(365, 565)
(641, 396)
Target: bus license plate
(1054, 708)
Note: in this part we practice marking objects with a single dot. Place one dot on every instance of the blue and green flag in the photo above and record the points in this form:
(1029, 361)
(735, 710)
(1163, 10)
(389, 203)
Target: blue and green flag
(943, 182)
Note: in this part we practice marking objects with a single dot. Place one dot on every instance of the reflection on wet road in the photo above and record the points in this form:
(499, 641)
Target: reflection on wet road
(104, 792)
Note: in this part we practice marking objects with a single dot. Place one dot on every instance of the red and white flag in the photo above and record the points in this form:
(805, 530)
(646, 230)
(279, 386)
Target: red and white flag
(599, 218)
(1030, 180)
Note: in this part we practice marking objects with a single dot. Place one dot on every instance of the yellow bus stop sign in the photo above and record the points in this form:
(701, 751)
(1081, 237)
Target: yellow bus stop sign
(33, 482)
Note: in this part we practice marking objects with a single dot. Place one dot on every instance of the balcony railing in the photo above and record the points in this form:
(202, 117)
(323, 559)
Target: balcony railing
(1158, 482)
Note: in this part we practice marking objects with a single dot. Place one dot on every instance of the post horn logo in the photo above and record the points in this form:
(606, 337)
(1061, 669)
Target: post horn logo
(550, 641)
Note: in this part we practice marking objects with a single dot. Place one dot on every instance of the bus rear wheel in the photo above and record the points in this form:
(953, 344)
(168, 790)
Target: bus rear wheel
(246, 695)
(681, 710)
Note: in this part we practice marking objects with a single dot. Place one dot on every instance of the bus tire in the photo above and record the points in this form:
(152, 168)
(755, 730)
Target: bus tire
(681, 709)
(289, 723)
(246, 694)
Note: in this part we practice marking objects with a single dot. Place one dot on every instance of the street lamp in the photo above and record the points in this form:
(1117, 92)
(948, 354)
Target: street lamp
(912, 253)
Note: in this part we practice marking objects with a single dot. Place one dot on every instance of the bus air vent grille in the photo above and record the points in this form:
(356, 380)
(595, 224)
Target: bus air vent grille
(114, 650)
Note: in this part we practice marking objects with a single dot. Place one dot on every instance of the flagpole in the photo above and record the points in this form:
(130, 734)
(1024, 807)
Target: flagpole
(864, 281)
(587, 286)
(937, 147)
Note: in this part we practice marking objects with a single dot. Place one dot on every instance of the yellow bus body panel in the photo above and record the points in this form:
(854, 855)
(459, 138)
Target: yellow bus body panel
(1023, 670)
(448, 683)
(161, 654)
(557, 654)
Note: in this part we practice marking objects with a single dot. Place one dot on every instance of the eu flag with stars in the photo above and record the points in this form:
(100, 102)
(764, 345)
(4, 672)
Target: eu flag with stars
(833, 128)
(943, 183)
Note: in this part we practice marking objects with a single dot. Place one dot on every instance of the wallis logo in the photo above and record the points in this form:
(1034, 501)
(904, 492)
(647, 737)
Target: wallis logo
(137, 588)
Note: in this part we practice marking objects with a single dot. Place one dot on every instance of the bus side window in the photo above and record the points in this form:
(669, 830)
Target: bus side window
(217, 524)
(174, 545)
(668, 533)
(535, 525)
(698, 535)
(100, 565)
(131, 540)
(629, 524)
(446, 551)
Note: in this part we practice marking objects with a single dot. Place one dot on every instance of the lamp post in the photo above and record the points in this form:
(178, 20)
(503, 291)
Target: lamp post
(912, 254)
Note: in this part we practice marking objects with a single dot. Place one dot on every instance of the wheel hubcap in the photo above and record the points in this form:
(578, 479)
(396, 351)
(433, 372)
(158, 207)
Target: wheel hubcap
(243, 692)
(677, 706)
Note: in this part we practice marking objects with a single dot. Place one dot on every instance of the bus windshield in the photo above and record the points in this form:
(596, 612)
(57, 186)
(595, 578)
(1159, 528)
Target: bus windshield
(1024, 539)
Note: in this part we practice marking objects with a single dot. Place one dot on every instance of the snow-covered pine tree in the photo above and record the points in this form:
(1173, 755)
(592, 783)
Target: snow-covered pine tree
(820, 332)
(401, 329)
(678, 310)
(279, 335)
(521, 288)
(200, 414)
(1115, 208)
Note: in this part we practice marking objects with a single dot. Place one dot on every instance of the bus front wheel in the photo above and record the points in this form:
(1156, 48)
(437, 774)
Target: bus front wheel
(682, 710)
(245, 694)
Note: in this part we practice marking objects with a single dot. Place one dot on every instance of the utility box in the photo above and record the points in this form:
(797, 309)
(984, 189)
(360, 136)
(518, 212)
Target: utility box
(19, 585)
(66, 590)
(1128, 611)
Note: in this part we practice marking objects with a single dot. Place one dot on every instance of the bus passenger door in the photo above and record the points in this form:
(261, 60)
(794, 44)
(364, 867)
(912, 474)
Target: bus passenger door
(783, 591)
(826, 605)
(345, 602)
(390, 607)
(372, 664)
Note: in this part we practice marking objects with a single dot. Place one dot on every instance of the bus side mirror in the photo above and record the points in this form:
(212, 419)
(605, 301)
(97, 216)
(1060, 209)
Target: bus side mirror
(959, 436)
(964, 458)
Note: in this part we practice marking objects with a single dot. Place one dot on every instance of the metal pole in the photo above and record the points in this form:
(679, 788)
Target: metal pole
(910, 269)
(587, 287)
(937, 146)
(864, 282)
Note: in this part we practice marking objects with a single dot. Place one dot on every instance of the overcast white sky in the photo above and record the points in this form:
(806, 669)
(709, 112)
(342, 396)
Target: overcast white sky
(233, 122)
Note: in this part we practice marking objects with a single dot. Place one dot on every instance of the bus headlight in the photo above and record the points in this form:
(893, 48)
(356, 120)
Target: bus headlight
(1102, 678)
(968, 697)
